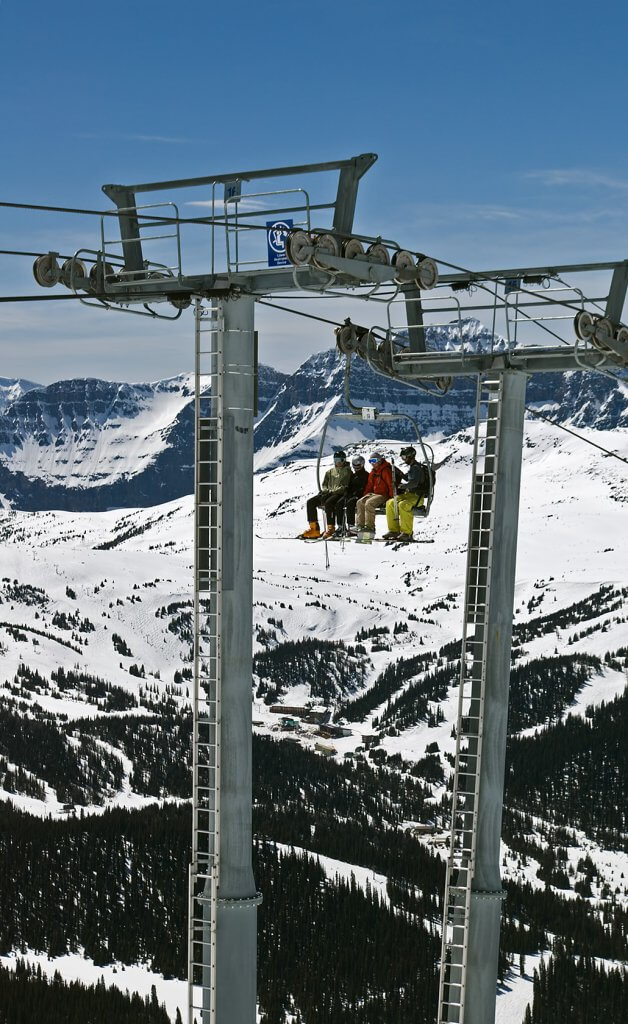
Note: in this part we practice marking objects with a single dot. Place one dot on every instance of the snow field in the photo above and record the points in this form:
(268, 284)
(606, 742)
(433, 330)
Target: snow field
(573, 513)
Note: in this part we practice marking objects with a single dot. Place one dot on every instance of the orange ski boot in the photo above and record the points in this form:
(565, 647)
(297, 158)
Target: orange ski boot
(313, 533)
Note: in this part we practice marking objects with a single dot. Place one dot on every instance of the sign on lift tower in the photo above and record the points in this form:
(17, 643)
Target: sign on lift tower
(268, 241)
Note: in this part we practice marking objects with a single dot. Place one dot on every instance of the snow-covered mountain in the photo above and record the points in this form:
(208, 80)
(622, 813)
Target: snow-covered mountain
(294, 421)
(123, 566)
(89, 445)
(11, 389)
(95, 643)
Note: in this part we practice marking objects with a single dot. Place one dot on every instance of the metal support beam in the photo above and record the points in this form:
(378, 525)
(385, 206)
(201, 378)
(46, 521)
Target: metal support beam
(617, 293)
(124, 198)
(237, 896)
(348, 191)
(360, 164)
(410, 366)
(486, 886)
(414, 314)
(223, 897)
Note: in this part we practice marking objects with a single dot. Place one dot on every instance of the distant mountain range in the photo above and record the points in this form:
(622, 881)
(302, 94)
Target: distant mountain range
(89, 445)
(12, 389)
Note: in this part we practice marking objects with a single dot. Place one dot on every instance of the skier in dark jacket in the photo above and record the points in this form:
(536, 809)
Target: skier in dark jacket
(345, 506)
(335, 482)
(413, 491)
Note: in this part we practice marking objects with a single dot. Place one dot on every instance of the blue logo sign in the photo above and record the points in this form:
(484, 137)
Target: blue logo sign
(276, 231)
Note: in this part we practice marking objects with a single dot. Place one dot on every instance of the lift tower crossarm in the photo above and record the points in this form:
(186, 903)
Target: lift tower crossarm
(124, 196)
(354, 167)
(459, 277)
(409, 366)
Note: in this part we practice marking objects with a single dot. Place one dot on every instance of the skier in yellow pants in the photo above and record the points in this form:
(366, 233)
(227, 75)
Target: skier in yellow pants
(400, 527)
(399, 520)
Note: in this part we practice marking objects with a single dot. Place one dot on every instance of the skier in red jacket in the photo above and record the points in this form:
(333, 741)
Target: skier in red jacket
(379, 489)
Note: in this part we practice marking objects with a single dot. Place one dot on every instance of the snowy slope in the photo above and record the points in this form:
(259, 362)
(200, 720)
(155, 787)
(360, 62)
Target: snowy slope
(95, 444)
(81, 432)
(121, 567)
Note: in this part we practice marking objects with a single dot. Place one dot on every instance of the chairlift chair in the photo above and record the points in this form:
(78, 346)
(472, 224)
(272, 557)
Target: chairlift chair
(370, 414)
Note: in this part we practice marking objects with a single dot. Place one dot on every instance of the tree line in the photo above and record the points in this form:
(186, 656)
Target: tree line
(27, 995)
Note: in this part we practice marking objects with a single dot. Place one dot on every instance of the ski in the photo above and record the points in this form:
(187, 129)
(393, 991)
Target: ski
(390, 542)
(307, 540)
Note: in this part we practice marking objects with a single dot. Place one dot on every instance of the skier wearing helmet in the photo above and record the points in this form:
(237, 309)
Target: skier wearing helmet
(377, 491)
(411, 492)
(345, 506)
(335, 482)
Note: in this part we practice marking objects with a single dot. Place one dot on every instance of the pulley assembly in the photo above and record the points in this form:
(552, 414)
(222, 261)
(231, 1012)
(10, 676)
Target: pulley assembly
(328, 251)
(73, 273)
(348, 337)
(599, 331)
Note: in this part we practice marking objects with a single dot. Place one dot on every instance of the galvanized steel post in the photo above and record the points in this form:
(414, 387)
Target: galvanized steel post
(486, 889)
(236, 938)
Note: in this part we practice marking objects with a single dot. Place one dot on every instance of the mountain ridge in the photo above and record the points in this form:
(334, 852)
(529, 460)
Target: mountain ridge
(86, 444)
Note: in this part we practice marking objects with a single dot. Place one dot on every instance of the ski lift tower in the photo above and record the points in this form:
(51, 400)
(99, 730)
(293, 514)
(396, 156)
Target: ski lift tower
(136, 266)
(529, 296)
(261, 242)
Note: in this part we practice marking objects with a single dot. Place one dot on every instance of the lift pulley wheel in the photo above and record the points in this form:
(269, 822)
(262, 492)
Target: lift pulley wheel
(46, 270)
(296, 242)
(352, 249)
(584, 325)
(180, 301)
(622, 335)
(378, 253)
(427, 276)
(325, 245)
(98, 274)
(402, 260)
(604, 332)
(73, 272)
(347, 339)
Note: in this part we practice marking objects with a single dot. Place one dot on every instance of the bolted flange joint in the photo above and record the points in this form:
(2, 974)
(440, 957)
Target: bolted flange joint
(488, 894)
(243, 903)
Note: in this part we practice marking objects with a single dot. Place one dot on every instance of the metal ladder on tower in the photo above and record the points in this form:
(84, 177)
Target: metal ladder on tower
(204, 880)
(461, 863)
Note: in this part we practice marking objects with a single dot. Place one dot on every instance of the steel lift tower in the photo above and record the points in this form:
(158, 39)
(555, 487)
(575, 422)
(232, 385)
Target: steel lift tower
(259, 244)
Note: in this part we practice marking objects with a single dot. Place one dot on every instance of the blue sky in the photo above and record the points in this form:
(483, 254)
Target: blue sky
(500, 130)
